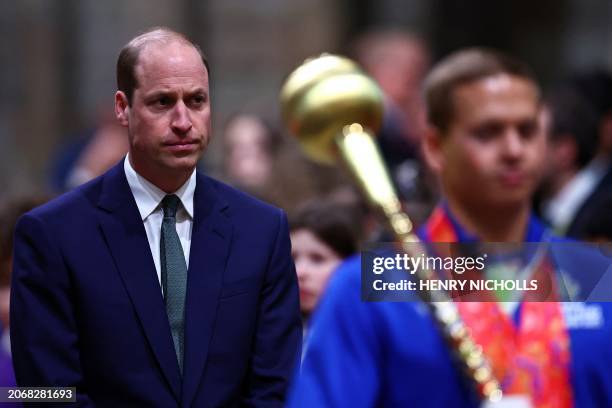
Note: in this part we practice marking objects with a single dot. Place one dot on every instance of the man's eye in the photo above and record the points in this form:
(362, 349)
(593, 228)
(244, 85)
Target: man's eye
(528, 130)
(484, 134)
(160, 102)
(198, 100)
(488, 132)
(164, 101)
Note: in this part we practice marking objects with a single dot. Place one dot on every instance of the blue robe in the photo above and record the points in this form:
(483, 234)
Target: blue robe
(363, 354)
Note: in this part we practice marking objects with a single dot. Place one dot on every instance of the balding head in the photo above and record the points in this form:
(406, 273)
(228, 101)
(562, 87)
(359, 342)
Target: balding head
(130, 53)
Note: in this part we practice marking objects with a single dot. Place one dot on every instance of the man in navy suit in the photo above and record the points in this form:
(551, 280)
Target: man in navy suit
(154, 285)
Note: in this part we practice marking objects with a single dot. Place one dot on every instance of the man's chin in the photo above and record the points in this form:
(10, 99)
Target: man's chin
(181, 163)
(499, 199)
(177, 170)
(510, 200)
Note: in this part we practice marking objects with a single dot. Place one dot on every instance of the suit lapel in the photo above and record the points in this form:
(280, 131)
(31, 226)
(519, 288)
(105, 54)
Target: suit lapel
(126, 238)
(210, 244)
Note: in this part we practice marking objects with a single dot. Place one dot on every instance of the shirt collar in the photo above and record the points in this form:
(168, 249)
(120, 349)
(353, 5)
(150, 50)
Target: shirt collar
(148, 196)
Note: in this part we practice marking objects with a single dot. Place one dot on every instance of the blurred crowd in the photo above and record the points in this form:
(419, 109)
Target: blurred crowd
(259, 156)
(329, 219)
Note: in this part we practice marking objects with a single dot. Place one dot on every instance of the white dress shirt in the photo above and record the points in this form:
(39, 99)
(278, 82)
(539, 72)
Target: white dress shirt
(148, 199)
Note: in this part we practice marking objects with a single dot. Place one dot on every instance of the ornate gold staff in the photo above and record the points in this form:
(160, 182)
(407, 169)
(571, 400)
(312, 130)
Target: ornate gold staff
(334, 109)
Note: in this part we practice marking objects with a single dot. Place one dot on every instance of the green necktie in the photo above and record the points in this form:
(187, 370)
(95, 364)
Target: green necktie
(173, 275)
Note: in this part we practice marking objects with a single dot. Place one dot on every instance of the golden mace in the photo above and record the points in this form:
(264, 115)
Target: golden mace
(334, 109)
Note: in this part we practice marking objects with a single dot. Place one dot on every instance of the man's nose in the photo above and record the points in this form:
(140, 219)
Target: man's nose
(181, 121)
(513, 144)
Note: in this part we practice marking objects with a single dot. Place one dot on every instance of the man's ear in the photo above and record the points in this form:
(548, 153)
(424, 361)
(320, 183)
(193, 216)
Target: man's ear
(122, 108)
(432, 149)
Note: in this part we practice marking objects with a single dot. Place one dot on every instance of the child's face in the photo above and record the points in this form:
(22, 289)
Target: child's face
(314, 263)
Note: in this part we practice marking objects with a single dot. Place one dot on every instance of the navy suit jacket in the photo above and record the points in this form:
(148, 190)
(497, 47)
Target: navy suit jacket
(87, 308)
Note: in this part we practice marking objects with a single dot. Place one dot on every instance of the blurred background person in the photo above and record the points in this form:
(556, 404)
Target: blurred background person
(251, 148)
(596, 86)
(571, 125)
(398, 61)
(577, 187)
(260, 160)
(89, 154)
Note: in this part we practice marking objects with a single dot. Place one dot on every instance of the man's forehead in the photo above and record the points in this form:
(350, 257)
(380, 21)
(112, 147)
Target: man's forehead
(173, 58)
(496, 93)
(498, 85)
(503, 82)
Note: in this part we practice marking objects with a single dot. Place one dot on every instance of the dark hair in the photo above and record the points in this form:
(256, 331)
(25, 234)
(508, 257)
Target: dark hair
(596, 86)
(460, 68)
(332, 223)
(128, 57)
(572, 116)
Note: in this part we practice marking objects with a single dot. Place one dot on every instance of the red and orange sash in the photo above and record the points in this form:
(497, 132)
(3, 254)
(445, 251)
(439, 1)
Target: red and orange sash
(529, 358)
